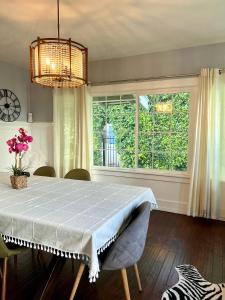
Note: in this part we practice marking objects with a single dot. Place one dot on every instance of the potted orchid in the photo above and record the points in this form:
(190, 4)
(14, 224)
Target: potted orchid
(19, 146)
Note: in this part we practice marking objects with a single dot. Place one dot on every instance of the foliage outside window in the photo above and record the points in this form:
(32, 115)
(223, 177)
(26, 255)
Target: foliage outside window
(156, 139)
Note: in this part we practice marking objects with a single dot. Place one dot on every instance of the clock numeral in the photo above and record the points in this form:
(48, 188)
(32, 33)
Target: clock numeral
(15, 114)
(5, 93)
(8, 93)
(13, 97)
(1, 94)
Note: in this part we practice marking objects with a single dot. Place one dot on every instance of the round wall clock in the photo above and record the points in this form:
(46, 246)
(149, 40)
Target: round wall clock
(9, 106)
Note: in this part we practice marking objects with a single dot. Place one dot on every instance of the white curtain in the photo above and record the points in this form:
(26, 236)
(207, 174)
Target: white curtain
(72, 139)
(207, 191)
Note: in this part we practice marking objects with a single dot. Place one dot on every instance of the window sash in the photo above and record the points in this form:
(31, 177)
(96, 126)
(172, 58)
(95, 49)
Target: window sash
(169, 86)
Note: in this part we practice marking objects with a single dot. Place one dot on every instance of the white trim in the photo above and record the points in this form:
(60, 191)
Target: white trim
(41, 124)
(140, 87)
(155, 175)
(13, 124)
(177, 207)
(23, 123)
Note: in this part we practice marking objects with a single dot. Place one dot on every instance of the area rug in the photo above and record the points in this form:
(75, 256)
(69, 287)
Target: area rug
(192, 286)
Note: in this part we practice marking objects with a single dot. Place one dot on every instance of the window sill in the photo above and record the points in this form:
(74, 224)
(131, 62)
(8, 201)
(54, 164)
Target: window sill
(175, 176)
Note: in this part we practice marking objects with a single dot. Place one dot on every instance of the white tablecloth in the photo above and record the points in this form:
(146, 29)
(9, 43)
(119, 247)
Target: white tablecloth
(76, 219)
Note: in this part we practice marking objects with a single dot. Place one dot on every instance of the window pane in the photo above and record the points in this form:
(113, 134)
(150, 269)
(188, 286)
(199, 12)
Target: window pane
(97, 149)
(162, 122)
(179, 161)
(181, 102)
(161, 161)
(127, 158)
(113, 124)
(145, 150)
(145, 122)
(162, 142)
(180, 122)
(163, 131)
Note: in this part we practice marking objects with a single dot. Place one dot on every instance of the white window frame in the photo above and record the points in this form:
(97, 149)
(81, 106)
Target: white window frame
(189, 85)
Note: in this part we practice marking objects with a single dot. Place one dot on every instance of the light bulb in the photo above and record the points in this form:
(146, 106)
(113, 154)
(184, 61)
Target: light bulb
(47, 60)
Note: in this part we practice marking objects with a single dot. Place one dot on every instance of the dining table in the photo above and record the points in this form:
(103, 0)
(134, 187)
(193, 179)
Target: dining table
(68, 218)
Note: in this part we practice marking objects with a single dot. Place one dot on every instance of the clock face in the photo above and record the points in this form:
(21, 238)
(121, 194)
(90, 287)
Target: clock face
(9, 106)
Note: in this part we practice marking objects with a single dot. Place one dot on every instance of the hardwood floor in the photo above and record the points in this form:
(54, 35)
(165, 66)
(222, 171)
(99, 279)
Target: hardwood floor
(172, 240)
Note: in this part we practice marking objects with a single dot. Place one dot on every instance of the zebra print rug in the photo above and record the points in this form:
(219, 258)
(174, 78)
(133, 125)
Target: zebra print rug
(192, 286)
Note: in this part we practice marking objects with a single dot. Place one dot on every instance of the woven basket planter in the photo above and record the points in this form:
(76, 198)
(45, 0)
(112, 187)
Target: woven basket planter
(18, 182)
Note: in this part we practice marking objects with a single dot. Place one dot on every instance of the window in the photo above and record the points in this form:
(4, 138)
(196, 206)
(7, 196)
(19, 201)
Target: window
(147, 131)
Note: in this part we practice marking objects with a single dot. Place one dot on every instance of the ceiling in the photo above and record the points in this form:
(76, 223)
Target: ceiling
(111, 28)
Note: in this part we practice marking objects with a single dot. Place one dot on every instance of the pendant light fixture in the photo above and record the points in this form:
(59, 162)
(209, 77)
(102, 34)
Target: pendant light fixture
(57, 62)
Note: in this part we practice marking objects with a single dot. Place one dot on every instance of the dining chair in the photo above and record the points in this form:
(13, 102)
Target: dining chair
(45, 171)
(6, 251)
(78, 174)
(126, 251)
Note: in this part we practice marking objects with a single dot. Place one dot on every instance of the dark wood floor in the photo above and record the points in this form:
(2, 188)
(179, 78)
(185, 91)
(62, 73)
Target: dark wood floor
(172, 240)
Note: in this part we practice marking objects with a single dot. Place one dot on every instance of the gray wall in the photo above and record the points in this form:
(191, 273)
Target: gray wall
(41, 103)
(175, 62)
(16, 80)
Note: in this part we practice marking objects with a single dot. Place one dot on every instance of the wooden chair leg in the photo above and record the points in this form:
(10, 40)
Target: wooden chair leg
(125, 283)
(138, 277)
(3, 297)
(77, 280)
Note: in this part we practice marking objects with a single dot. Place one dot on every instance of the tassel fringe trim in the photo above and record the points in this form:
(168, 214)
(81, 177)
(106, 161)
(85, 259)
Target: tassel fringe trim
(107, 244)
(93, 275)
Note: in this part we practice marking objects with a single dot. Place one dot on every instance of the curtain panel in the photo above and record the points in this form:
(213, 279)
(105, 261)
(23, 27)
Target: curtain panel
(207, 189)
(72, 121)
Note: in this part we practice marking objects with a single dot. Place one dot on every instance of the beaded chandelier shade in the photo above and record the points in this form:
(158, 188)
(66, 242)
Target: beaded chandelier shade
(57, 62)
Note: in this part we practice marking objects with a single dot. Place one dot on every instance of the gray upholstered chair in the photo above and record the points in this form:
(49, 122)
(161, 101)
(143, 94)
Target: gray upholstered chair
(127, 249)
(45, 171)
(6, 251)
(78, 174)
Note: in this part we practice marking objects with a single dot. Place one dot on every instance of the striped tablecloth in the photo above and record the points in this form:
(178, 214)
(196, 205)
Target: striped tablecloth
(71, 218)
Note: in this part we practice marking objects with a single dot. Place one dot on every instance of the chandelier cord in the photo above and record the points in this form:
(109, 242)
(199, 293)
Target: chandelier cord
(58, 27)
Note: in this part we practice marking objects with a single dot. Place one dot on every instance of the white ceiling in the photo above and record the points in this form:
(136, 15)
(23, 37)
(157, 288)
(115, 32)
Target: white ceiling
(111, 28)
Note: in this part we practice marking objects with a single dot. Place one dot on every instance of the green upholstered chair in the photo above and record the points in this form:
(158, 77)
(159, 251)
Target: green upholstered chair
(6, 251)
(78, 174)
(45, 171)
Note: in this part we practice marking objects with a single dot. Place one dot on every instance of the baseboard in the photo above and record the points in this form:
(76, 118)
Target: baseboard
(172, 206)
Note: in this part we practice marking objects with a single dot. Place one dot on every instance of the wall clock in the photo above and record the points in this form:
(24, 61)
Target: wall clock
(9, 106)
